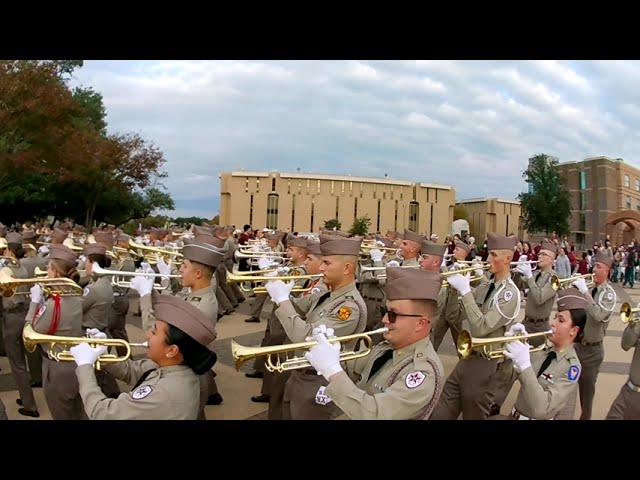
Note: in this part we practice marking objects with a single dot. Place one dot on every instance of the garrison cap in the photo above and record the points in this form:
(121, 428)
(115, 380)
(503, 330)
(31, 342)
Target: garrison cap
(335, 245)
(500, 242)
(202, 253)
(412, 236)
(293, 241)
(28, 234)
(123, 237)
(94, 249)
(3, 230)
(550, 247)
(59, 235)
(604, 258)
(314, 248)
(181, 314)
(105, 238)
(62, 252)
(430, 248)
(387, 241)
(198, 229)
(13, 237)
(412, 284)
(465, 246)
(274, 237)
(209, 239)
(570, 299)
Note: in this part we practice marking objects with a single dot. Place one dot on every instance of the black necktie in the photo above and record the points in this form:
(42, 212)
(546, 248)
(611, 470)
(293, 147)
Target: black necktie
(380, 361)
(538, 276)
(143, 378)
(550, 356)
(490, 289)
(322, 298)
(594, 291)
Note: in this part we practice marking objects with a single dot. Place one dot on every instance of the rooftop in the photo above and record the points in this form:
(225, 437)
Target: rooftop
(484, 199)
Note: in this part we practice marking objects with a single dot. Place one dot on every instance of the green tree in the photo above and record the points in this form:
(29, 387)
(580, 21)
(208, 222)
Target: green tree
(460, 213)
(333, 223)
(360, 226)
(547, 206)
(215, 220)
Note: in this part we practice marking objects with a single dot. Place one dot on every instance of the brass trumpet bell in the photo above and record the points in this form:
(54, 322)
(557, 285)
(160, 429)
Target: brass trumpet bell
(242, 354)
(31, 339)
(119, 276)
(235, 278)
(625, 313)
(473, 278)
(63, 287)
(559, 283)
(486, 347)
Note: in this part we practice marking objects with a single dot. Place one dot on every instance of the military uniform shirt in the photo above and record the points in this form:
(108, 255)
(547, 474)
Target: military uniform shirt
(541, 296)
(543, 397)
(599, 308)
(629, 340)
(15, 300)
(70, 322)
(492, 316)
(406, 387)
(97, 301)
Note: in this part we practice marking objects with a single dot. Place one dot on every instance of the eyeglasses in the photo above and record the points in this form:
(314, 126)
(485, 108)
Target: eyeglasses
(393, 315)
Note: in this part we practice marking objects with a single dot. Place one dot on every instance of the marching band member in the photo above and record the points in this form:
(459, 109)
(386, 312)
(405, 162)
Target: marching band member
(273, 241)
(341, 308)
(410, 248)
(402, 377)
(491, 309)
(626, 405)
(312, 265)
(549, 380)
(118, 319)
(163, 387)
(62, 316)
(600, 305)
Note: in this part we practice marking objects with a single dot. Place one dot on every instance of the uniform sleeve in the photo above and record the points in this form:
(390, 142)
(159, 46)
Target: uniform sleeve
(374, 275)
(502, 312)
(298, 329)
(125, 407)
(546, 402)
(601, 313)
(146, 312)
(88, 299)
(398, 402)
(630, 336)
(540, 294)
(130, 371)
(41, 324)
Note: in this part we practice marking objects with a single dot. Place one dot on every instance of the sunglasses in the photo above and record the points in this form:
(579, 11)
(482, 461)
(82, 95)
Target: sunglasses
(393, 315)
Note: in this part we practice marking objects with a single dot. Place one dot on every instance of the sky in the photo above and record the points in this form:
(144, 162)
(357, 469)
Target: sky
(469, 124)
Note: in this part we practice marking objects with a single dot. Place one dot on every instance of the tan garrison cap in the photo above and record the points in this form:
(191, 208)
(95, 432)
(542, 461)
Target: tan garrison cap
(412, 284)
(209, 239)
(500, 242)
(274, 237)
(412, 236)
(94, 248)
(188, 318)
(202, 253)
(465, 246)
(59, 235)
(570, 299)
(123, 237)
(105, 238)
(549, 247)
(314, 248)
(604, 258)
(197, 229)
(387, 242)
(62, 252)
(430, 248)
(3, 230)
(334, 245)
(13, 237)
(294, 241)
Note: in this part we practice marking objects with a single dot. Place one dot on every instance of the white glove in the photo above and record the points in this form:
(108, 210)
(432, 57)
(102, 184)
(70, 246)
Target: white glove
(444, 262)
(146, 267)
(44, 249)
(36, 293)
(163, 267)
(376, 255)
(324, 357)
(379, 243)
(84, 354)
(515, 329)
(518, 352)
(143, 285)
(581, 285)
(264, 263)
(459, 282)
(95, 333)
(478, 269)
(279, 291)
(524, 269)
(393, 263)
(327, 332)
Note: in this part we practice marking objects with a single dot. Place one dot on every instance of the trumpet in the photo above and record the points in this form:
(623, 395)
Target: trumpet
(7, 261)
(473, 278)
(625, 314)
(383, 267)
(167, 254)
(118, 275)
(558, 283)
(8, 286)
(31, 339)
(242, 354)
(467, 344)
(235, 278)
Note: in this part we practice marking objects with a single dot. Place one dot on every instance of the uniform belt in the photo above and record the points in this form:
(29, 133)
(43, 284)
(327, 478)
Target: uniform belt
(372, 298)
(518, 416)
(591, 344)
(536, 320)
(633, 387)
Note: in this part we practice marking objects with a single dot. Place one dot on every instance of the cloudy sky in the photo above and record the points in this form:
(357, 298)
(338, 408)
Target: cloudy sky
(470, 124)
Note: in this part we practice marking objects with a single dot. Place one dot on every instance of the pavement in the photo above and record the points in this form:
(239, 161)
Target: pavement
(236, 389)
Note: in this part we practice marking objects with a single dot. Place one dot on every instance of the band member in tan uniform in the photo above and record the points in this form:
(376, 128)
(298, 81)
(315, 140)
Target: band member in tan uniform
(61, 316)
(550, 378)
(342, 309)
(273, 241)
(15, 310)
(118, 319)
(626, 405)
(601, 303)
(491, 310)
(312, 266)
(402, 377)
(410, 248)
(163, 387)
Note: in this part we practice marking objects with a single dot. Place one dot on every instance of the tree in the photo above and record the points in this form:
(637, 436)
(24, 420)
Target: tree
(547, 206)
(460, 213)
(333, 223)
(215, 220)
(360, 226)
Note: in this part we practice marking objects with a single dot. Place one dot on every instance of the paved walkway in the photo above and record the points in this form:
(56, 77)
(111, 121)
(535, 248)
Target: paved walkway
(237, 389)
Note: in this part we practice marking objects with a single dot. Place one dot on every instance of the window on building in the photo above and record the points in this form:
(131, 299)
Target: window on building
(395, 220)
(637, 185)
(582, 222)
(293, 213)
(251, 210)
(628, 203)
(312, 208)
(355, 208)
(337, 207)
(273, 184)
(431, 219)
(583, 201)
(272, 211)
(378, 220)
(583, 180)
(627, 181)
(638, 207)
(414, 210)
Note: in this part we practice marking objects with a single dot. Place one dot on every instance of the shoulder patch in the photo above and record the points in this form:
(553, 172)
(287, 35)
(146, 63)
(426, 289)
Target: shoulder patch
(41, 311)
(195, 299)
(609, 296)
(86, 291)
(344, 313)
(574, 372)
(295, 272)
(142, 392)
(508, 295)
(414, 379)
(315, 290)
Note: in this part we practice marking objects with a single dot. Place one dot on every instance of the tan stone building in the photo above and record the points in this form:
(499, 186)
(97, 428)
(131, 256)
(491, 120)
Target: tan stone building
(493, 215)
(302, 202)
(605, 199)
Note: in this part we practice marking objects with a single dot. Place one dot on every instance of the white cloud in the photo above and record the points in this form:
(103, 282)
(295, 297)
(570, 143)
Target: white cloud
(471, 124)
